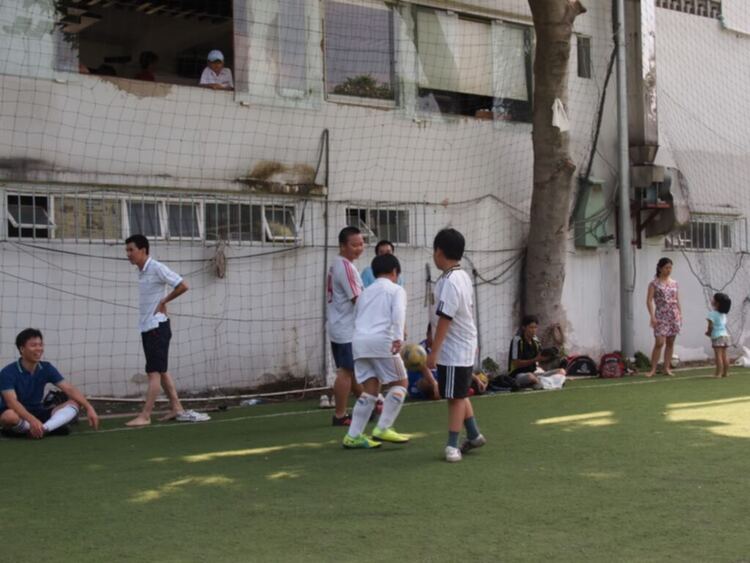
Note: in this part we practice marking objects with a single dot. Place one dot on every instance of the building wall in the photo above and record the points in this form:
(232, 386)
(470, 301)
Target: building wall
(63, 131)
(702, 83)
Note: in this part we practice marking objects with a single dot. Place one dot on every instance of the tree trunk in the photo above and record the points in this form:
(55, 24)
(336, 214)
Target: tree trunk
(553, 168)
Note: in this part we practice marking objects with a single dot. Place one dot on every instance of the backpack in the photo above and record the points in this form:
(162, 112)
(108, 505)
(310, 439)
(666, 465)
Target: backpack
(611, 365)
(579, 365)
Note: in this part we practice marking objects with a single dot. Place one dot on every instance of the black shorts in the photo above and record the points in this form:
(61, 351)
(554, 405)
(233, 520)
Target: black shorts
(342, 355)
(41, 413)
(156, 347)
(454, 381)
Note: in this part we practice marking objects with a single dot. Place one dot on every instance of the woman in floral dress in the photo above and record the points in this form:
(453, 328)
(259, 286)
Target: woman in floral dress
(663, 302)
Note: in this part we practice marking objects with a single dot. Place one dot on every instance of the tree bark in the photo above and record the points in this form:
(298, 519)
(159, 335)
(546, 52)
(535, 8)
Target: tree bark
(544, 272)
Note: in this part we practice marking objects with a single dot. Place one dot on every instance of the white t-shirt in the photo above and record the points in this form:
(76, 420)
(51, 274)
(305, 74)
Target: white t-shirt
(343, 285)
(224, 77)
(152, 288)
(380, 319)
(454, 299)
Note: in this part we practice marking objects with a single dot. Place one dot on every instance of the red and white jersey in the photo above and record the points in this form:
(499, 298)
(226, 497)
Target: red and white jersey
(343, 285)
(380, 319)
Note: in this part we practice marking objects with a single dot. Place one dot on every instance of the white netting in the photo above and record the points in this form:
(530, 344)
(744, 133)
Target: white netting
(401, 119)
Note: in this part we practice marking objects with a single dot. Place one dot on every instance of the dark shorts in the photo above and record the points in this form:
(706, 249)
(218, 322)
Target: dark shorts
(156, 347)
(454, 381)
(40, 412)
(342, 355)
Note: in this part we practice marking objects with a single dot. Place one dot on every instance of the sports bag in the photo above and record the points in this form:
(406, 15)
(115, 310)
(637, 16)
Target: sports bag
(579, 365)
(611, 365)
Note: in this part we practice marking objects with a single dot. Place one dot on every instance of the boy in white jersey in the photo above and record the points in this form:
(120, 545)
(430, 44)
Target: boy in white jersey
(378, 336)
(343, 287)
(454, 343)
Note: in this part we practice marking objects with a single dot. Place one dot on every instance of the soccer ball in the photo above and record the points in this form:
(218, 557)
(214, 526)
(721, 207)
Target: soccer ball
(414, 357)
(481, 376)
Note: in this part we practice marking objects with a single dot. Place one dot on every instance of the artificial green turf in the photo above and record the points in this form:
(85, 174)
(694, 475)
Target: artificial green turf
(627, 470)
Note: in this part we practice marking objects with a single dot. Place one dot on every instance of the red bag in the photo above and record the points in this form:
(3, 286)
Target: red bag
(611, 365)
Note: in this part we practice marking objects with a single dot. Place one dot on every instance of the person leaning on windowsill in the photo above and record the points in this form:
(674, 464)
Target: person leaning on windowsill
(215, 75)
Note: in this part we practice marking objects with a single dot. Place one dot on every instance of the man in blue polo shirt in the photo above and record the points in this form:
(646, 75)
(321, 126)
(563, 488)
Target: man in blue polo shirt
(22, 384)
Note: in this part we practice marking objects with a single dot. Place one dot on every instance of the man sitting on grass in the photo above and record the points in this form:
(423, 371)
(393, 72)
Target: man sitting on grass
(525, 354)
(22, 383)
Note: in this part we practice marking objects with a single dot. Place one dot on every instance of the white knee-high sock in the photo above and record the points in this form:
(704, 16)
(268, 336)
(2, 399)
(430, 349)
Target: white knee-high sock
(60, 417)
(361, 414)
(394, 400)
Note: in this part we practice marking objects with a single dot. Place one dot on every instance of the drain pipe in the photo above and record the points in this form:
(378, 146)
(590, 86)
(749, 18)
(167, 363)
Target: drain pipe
(625, 234)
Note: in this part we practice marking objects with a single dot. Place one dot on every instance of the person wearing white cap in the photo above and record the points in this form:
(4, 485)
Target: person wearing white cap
(215, 76)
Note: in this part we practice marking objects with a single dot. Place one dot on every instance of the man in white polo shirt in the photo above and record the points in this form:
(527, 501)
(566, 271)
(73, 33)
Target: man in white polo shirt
(153, 280)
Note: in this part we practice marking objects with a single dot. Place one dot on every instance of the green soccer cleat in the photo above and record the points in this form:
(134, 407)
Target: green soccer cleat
(360, 442)
(389, 435)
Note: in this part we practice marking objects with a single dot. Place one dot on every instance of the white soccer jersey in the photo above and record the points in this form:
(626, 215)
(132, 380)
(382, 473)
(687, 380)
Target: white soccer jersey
(380, 319)
(454, 299)
(343, 285)
(152, 288)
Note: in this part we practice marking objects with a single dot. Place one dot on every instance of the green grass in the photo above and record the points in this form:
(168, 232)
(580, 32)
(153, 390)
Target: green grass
(627, 470)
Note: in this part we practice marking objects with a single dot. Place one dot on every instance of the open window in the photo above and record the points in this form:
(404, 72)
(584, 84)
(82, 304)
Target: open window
(279, 223)
(471, 66)
(28, 216)
(379, 224)
(359, 51)
(153, 40)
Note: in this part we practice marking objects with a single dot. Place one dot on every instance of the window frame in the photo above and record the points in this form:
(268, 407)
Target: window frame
(381, 103)
(16, 223)
(500, 107)
(725, 228)
(100, 196)
(264, 233)
(160, 216)
(267, 231)
(199, 219)
(586, 54)
(368, 232)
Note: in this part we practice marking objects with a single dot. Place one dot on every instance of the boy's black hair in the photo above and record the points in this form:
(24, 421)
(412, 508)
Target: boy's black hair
(384, 243)
(451, 242)
(723, 303)
(140, 241)
(347, 232)
(529, 319)
(385, 264)
(25, 335)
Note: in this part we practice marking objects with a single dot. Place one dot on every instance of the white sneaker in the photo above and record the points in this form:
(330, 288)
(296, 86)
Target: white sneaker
(452, 454)
(324, 402)
(192, 416)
